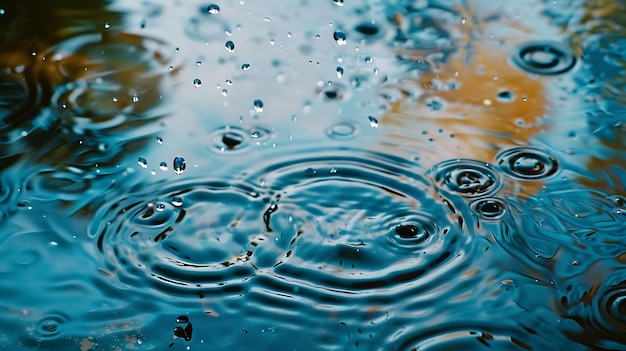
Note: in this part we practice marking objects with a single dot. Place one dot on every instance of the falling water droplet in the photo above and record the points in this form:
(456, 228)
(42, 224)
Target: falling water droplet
(373, 121)
(143, 163)
(214, 9)
(179, 164)
(339, 71)
(197, 83)
(230, 46)
(258, 106)
(340, 37)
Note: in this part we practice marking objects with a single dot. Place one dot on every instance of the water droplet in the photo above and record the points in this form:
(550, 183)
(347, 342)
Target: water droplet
(373, 121)
(177, 201)
(245, 67)
(115, 99)
(213, 9)
(163, 166)
(198, 63)
(179, 165)
(197, 83)
(338, 2)
(258, 106)
(159, 207)
(159, 140)
(107, 26)
(135, 98)
(339, 71)
(230, 46)
(143, 163)
(340, 37)
(506, 96)
(367, 29)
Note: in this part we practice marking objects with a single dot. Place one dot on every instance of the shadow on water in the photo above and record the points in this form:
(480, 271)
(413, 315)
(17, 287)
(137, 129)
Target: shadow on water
(410, 175)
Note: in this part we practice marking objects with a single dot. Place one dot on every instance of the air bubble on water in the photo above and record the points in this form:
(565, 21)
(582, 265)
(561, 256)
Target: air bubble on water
(230, 46)
(340, 37)
(373, 121)
(245, 67)
(143, 163)
(338, 2)
(179, 165)
(214, 9)
(339, 71)
(163, 166)
(197, 83)
(258, 106)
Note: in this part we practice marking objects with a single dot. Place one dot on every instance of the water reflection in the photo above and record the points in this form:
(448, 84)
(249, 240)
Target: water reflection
(311, 175)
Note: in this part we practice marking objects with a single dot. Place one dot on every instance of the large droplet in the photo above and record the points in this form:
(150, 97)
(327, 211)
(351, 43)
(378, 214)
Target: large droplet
(214, 9)
(258, 106)
(179, 165)
(230, 46)
(340, 37)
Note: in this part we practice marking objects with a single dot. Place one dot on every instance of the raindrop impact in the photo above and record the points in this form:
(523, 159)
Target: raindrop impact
(544, 57)
(527, 163)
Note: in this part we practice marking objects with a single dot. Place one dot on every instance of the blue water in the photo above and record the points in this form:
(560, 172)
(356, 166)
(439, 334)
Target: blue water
(312, 175)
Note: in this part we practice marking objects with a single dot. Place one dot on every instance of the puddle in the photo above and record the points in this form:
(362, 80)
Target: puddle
(312, 175)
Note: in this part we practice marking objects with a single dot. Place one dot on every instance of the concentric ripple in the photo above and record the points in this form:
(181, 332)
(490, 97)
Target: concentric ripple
(361, 224)
(468, 178)
(49, 327)
(103, 81)
(601, 310)
(188, 238)
(527, 163)
(544, 57)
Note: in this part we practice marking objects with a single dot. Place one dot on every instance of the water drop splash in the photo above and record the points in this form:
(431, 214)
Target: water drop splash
(464, 177)
(179, 165)
(526, 163)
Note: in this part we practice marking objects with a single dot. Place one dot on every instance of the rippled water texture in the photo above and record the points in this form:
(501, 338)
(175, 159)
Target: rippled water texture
(312, 175)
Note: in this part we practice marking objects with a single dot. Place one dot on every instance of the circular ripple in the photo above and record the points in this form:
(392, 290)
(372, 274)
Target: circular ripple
(491, 208)
(49, 327)
(342, 131)
(527, 163)
(230, 139)
(106, 81)
(361, 223)
(464, 177)
(543, 57)
(601, 310)
(187, 238)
